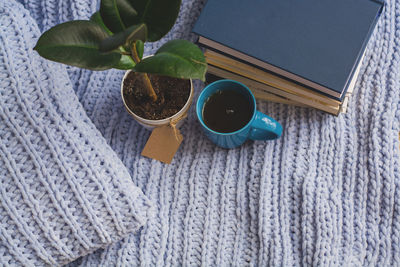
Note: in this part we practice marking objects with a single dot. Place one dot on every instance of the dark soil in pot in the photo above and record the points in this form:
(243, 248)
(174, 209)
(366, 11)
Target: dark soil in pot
(172, 93)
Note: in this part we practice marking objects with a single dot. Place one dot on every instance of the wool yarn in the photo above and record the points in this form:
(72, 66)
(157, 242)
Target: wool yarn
(325, 194)
(64, 192)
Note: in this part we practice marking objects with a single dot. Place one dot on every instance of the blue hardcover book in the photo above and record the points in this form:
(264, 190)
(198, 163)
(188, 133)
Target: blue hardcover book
(315, 43)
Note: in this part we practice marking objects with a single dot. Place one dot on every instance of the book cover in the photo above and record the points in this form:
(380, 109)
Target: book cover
(315, 43)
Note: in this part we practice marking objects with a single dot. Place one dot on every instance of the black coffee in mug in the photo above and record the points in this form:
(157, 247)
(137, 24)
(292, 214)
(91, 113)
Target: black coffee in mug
(227, 111)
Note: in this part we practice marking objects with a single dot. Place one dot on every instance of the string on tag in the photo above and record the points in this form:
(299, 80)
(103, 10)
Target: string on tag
(174, 122)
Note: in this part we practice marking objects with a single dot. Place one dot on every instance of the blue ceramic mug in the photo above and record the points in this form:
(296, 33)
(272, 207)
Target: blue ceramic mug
(260, 126)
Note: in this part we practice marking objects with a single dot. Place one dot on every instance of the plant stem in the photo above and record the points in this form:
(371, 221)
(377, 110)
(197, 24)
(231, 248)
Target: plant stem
(145, 78)
(134, 53)
(149, 87)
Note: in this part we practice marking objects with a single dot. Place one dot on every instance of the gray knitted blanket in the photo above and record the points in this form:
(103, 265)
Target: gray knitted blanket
(325, 194)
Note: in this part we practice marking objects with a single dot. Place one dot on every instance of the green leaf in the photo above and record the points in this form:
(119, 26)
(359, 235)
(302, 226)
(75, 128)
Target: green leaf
(131, 34)
(76, 43)
(96, 18)
(177, 58)
(140, 48)
(158, 15)
(125, 63)
(117, 14)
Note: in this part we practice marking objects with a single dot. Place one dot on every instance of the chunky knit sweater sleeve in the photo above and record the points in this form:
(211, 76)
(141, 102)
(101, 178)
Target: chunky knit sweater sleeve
(63, 191)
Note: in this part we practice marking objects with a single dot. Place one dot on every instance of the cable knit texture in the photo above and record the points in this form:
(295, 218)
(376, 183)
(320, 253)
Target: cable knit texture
(63, 191)
(325, 194)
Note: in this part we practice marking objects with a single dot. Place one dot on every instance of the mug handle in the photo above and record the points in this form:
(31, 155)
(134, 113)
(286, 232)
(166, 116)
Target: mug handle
(264, 127)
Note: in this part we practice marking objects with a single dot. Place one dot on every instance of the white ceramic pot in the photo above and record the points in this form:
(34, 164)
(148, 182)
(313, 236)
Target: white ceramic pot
(151, 124)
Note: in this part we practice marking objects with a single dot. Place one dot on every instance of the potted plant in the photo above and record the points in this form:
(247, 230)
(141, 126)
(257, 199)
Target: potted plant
(155, 89)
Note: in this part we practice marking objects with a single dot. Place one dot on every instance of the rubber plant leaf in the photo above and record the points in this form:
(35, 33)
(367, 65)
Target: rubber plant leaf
(130, 35)
(117, 14)
(77, 43)
(125, 63)
(140, 48)
(176, 58)
(158, 15)
(96, 18)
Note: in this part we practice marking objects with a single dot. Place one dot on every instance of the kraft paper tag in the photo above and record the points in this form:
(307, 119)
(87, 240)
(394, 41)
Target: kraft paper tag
(163, 143)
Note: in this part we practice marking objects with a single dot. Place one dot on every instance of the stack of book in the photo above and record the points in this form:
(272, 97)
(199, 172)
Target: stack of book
(305, 53)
